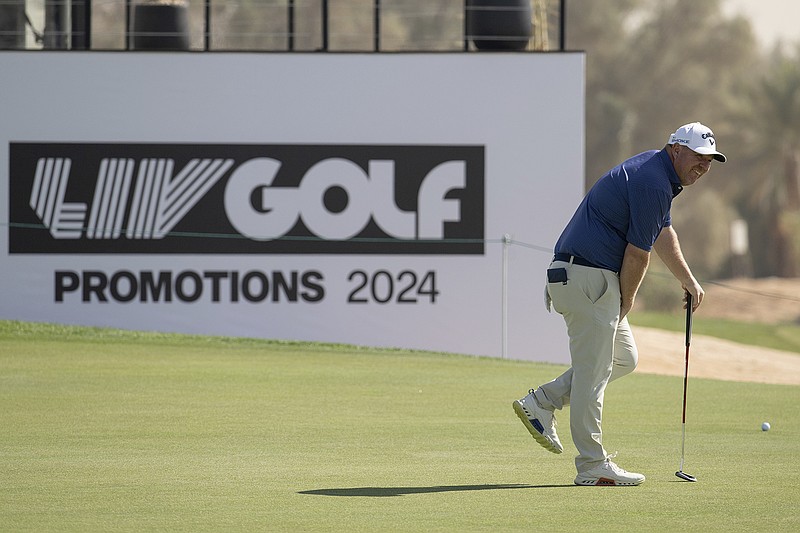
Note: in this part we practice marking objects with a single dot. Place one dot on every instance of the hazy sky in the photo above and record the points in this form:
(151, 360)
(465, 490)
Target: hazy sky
(772, 19)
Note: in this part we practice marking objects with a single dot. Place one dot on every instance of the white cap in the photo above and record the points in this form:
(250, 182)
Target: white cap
(699, 138)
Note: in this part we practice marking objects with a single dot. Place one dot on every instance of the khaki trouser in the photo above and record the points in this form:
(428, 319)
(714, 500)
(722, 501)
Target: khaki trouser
(601, 347)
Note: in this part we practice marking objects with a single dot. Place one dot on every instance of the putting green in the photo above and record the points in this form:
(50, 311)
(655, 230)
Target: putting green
(106, 430)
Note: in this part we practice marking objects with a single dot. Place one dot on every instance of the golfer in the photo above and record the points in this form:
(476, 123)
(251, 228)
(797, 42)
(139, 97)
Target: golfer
(599, 263)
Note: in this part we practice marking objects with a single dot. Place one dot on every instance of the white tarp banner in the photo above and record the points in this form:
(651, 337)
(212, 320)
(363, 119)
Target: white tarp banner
(349, 198)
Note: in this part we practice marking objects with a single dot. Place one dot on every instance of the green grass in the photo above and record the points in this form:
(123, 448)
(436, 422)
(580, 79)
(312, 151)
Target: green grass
(105, 430)
(778, 336)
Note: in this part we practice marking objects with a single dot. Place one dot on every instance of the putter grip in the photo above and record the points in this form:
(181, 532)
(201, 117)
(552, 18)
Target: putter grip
(688, 319)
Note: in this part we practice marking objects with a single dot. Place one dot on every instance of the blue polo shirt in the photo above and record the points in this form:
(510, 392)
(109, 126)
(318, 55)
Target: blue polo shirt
(629, 204)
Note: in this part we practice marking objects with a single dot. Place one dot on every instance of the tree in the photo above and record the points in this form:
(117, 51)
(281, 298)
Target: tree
(773, 138)
(599, 27)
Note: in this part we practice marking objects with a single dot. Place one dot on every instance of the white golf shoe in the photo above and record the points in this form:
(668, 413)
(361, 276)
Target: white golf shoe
(608, 474)
(540, 422)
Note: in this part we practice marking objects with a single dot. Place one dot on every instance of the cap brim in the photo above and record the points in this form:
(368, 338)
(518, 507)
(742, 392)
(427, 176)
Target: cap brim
(707, 151)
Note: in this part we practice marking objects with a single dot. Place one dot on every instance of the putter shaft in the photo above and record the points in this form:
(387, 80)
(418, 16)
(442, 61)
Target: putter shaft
(680, 473)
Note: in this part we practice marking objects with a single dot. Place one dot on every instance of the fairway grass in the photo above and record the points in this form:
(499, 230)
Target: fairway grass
(104, 430)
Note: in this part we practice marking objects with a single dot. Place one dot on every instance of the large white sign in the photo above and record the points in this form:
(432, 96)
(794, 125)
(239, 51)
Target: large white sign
(354, 198)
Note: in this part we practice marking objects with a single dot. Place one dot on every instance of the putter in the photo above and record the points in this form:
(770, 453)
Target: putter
(680, 473)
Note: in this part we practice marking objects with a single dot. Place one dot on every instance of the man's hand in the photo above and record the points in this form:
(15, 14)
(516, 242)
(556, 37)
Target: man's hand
(697, 293)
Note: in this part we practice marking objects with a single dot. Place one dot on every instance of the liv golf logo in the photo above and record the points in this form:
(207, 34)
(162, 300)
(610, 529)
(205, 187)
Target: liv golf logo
(282, 199)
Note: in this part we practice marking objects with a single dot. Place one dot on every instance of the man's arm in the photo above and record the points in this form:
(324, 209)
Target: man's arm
(634, 267)
(668, 249)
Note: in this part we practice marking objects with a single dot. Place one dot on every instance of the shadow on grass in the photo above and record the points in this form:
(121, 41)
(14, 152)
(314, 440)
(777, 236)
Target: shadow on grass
(381, 492)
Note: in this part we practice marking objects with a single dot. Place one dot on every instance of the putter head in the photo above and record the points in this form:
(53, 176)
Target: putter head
(686, 477)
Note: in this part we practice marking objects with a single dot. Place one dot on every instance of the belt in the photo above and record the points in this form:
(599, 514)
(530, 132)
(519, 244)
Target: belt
(575, 260)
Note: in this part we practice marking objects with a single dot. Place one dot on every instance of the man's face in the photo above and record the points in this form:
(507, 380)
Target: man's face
(689, 165)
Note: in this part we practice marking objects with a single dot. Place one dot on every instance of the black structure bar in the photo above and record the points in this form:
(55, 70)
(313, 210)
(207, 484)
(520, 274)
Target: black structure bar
(207, 26)
(325, 25)
(87, 17)
(128, 25)
(81, 15)
(377, 45)
(290, 23)
(466, 25)
(562, 19)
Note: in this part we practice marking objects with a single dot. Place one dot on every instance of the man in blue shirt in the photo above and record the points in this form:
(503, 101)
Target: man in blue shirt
(599, 263)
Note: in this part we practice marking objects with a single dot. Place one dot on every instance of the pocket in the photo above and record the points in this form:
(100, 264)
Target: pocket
(595, 286)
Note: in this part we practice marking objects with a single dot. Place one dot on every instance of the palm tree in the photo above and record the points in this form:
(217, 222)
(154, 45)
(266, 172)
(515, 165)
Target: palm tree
(776, 123)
